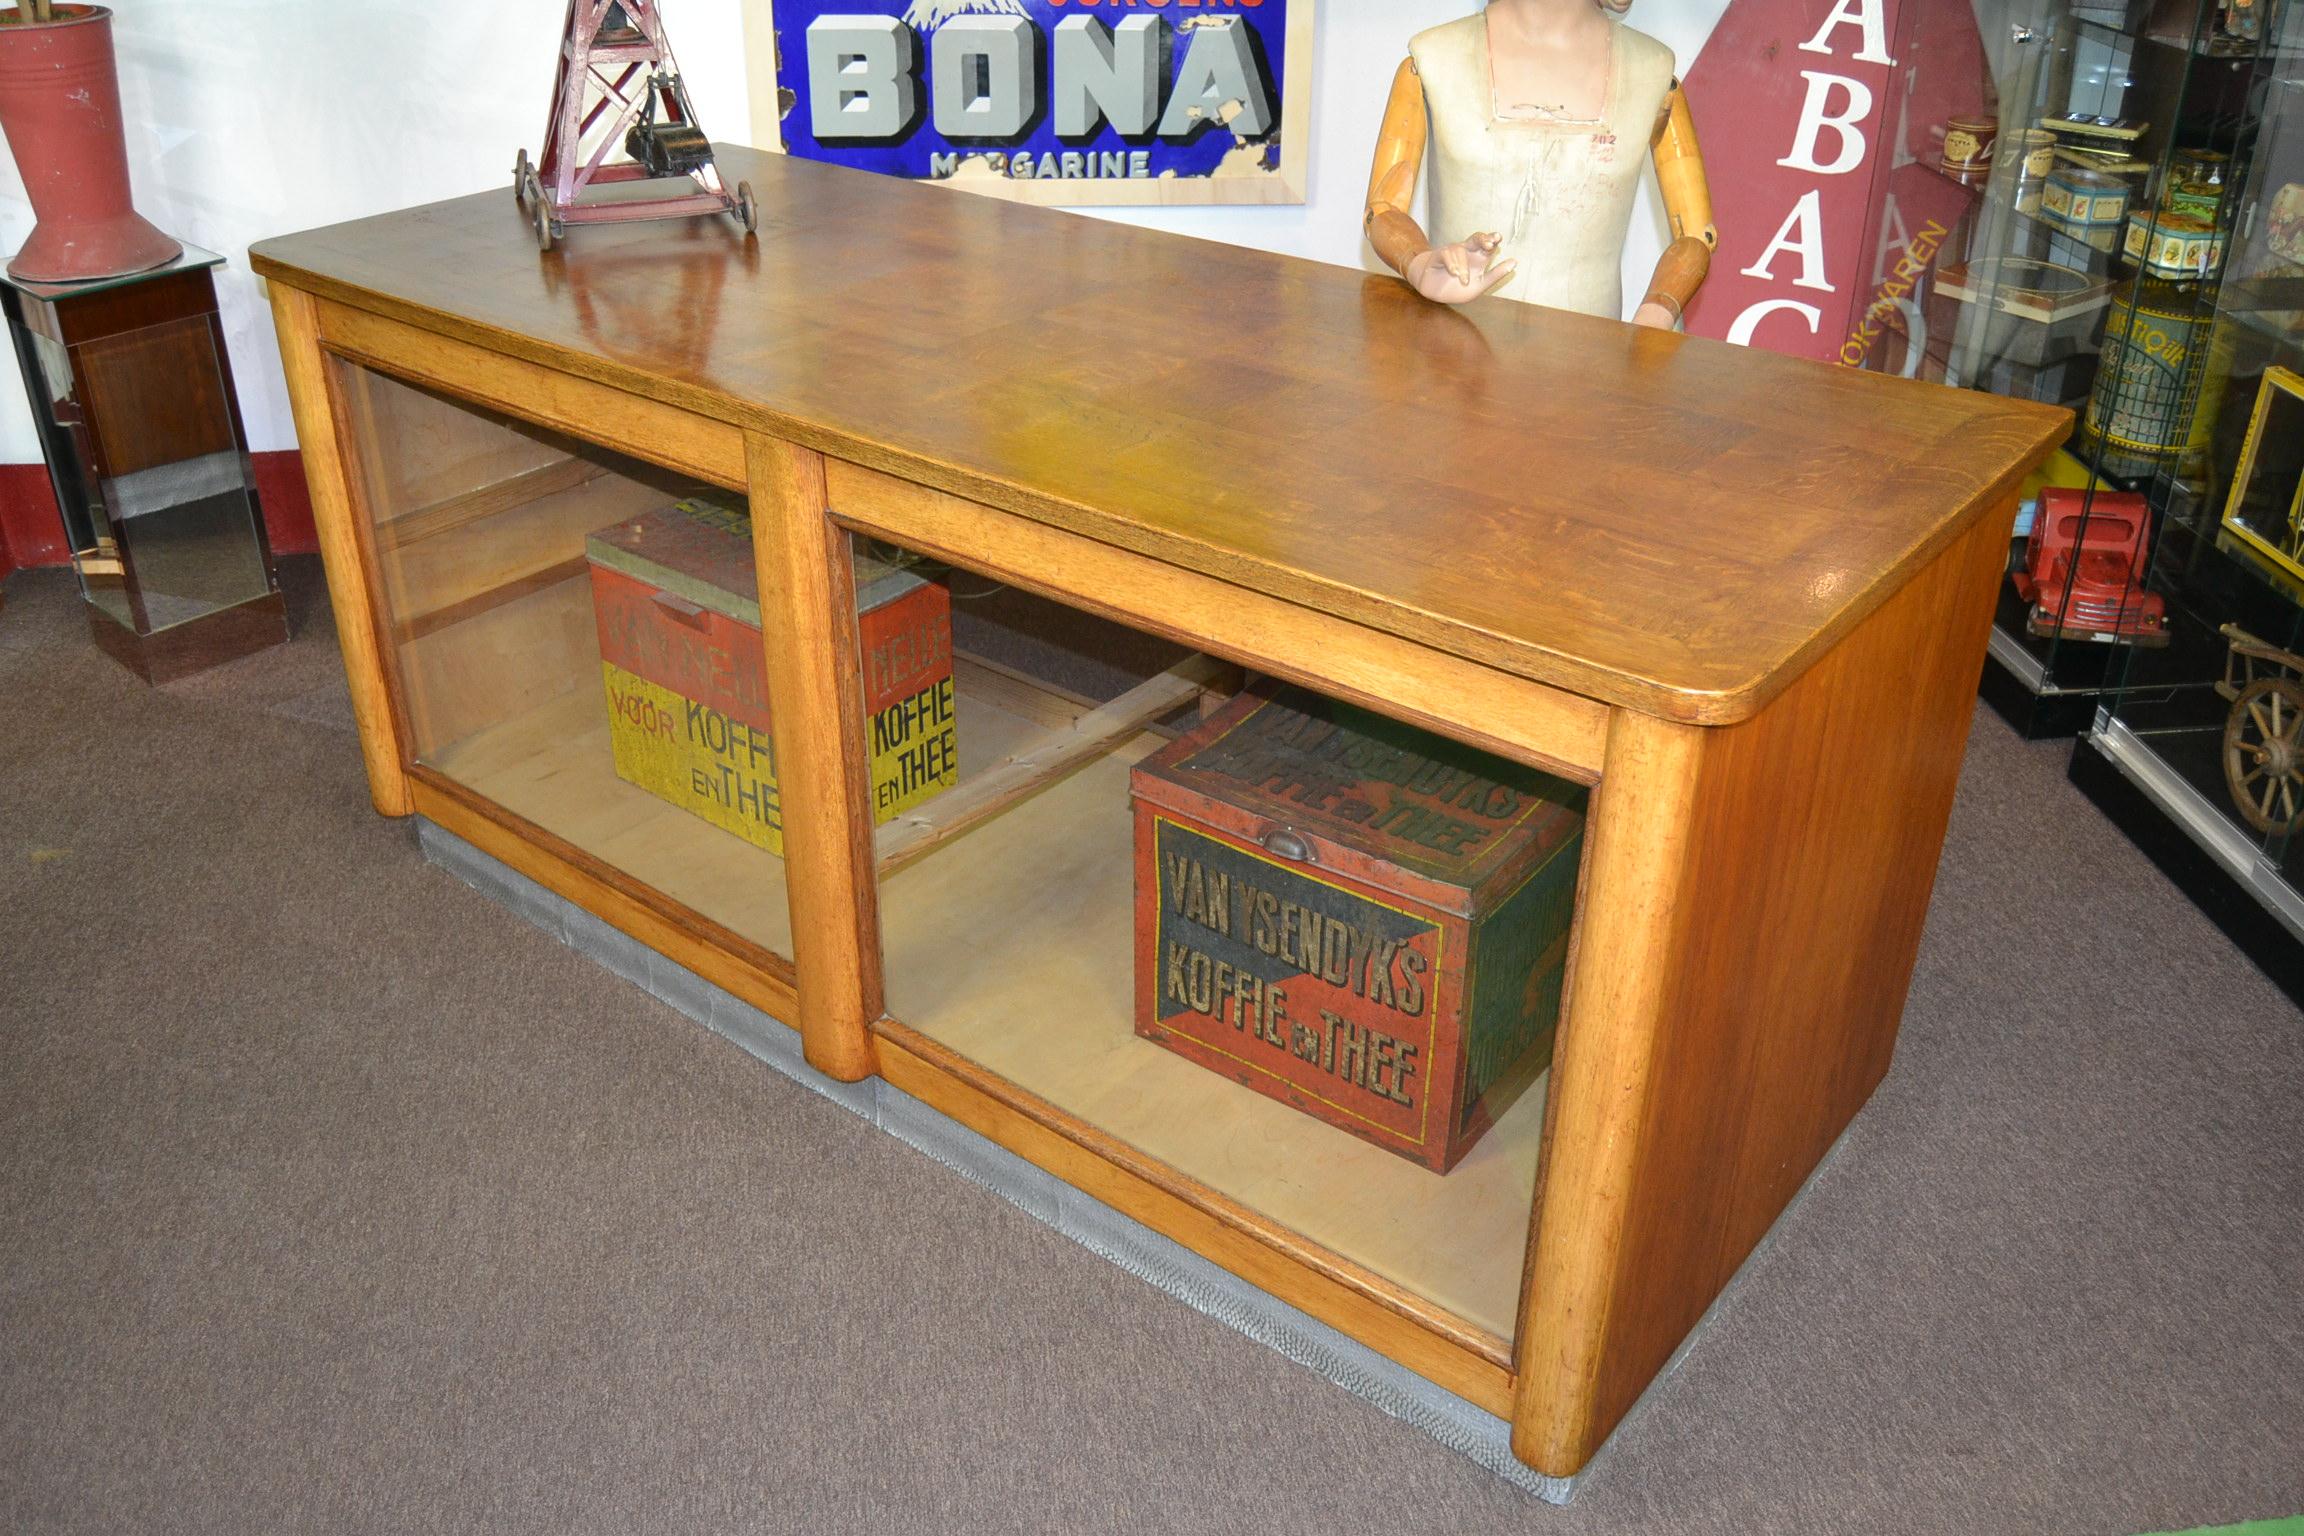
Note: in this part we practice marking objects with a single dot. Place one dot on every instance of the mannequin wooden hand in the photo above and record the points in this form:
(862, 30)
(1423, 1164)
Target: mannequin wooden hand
(1656, 315)
(1460, 273)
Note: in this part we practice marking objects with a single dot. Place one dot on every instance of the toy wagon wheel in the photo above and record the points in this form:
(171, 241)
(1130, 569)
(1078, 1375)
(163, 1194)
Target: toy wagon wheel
(2264, 755)
(522, 175)
(541, 214)
(747, 208)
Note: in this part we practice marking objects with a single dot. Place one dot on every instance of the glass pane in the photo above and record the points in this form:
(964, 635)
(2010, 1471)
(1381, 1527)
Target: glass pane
(1301, 954)
(2210, 728)
(181, 538)
(2090, 280)
(577, 636)
(192, 260)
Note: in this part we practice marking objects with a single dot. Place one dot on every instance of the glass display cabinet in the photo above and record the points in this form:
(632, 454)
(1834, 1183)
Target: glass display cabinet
(131, 392)
(576, 638)
(1202, 806)
(2081, 270)
(2198, 748)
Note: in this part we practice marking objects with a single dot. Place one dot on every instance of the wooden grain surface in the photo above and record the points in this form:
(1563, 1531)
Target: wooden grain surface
(336, 517)
(1753, 906)
(1670, 524)
(1557, 731)
(154, 397)
(814, 662)
(633, 424)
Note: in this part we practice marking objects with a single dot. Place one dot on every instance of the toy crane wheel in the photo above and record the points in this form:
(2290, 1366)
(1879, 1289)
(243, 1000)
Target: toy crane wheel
(523, 174)
(541, 213)
(2264, 755)
(747, 208)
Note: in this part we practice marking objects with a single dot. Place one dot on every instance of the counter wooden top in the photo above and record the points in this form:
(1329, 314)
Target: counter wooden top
(1671, 524)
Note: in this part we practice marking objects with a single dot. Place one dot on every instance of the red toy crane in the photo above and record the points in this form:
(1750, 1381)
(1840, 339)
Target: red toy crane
(618, 83)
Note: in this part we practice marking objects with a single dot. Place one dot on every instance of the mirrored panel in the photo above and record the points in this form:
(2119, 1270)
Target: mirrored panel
(175, 531)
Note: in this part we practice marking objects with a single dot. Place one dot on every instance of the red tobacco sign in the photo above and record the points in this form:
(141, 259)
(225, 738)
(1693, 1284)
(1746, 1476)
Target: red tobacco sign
(1823, 127)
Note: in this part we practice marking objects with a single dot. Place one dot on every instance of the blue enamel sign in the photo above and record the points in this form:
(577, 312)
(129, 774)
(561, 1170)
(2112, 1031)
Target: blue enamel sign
(1087, 96)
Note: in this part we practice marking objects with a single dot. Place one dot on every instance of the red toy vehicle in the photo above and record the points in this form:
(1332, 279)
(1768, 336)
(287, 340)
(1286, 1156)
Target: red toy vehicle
(2082, 568)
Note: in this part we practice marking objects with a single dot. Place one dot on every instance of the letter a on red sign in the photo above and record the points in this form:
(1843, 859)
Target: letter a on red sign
(1825, 212)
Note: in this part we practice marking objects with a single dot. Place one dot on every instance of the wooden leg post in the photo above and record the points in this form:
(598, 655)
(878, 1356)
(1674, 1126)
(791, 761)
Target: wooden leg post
(1633, 888)
(808, 624)
(1714, 1045)
(333, 513)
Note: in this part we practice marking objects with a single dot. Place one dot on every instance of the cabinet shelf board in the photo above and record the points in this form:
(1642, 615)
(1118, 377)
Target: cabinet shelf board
(1011, 945)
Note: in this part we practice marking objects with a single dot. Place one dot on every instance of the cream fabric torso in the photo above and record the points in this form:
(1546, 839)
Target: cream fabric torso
(1559, 191)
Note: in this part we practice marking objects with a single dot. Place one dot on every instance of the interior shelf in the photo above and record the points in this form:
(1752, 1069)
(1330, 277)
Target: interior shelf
(1007, 900)
(554, 766)
(1012, 945)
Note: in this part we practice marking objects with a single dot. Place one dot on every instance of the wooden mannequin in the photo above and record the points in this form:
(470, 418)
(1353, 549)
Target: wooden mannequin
(1521, 106)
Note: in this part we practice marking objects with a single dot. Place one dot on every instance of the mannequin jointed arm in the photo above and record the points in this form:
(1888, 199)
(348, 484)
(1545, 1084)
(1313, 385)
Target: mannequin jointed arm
(1688, 205)
(1451, 274)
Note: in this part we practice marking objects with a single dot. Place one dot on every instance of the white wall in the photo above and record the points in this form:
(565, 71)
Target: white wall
(1361, 43)
(251, 118)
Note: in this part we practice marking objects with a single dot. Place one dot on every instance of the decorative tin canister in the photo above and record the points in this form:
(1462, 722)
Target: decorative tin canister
(1968, 143)
(675, 597)
(2034, 152)
(2037, 147)
(2196, 184)
(2083, 201)
(2174, 245)
(1356, 918)
(2159, 380)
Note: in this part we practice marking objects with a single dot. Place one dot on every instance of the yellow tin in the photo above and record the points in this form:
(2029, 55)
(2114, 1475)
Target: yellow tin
(2036, 148)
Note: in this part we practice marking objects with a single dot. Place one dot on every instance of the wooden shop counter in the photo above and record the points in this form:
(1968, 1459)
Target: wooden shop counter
(1742, 598)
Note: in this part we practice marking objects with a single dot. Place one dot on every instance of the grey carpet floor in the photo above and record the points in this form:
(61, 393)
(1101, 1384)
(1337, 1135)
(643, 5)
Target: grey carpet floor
(334, 1198)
